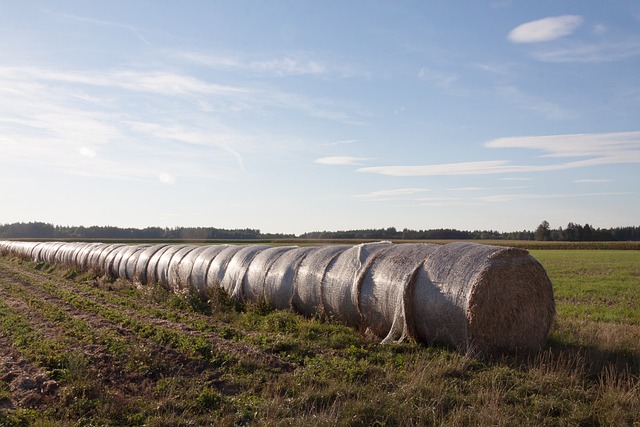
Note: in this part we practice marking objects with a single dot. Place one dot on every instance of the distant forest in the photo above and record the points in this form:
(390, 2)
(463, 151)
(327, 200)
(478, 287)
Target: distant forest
(573, 232)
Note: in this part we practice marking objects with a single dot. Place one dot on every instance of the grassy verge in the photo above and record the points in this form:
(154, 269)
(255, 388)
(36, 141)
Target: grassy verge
(143, 356)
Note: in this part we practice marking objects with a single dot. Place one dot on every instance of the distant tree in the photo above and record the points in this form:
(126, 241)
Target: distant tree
(543, 232)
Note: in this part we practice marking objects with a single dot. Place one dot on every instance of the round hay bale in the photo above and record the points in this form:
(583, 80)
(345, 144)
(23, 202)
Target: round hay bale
(278, 284)
(111, 260)
(253, 285)
(237, 268)
(218, 266)
(180, 276)
(173, 275)
(307, 285)
(103, 259)
(483, 299)
(127, 266)
(164, 262)
(142, 263)
(340, 284)
(198, 278)
(386, 288)
(82, 259)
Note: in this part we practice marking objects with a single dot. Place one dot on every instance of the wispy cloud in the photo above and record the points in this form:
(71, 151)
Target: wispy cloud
(599, 51)
(76, 18)
(395, 194)
(500, 198)
(599, 149)
(545, 29)
(592, 180)
(341, 160)
(536, 104)
(608, 145)
(342, 142)
(462, 168)
(285, 65)
(439, 79)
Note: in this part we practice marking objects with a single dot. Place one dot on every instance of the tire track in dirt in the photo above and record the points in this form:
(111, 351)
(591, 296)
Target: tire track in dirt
(237, 350)
(27, 384)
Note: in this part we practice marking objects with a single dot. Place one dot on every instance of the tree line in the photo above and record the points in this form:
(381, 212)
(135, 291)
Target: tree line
(39, 230)
(544, 232)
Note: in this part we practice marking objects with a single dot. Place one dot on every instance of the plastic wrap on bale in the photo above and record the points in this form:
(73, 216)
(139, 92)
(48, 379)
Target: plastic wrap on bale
(479, 298)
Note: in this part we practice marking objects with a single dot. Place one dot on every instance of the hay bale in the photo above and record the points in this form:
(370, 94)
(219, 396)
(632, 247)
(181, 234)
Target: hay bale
(142, 263)
(218, 266)
(112, 260)
(340, 285)
(278, 283)
(173, 275)
(385, 290)
(479, 298)
(253, 284)
(180, 275)
(164, 262)
(127, 266)
(237, 268)
(307, 284)
(483, 298)
(198, 278)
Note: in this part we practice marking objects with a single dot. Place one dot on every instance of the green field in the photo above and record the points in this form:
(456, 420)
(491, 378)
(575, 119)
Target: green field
(83, 350)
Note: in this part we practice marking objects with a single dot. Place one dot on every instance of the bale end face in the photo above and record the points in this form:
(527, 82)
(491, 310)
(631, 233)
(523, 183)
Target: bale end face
(511, 306)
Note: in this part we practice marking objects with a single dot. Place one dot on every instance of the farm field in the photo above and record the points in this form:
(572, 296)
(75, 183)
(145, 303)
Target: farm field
(82, 350)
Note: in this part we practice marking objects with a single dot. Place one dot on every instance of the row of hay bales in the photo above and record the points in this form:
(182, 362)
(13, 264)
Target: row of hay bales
(475, 297)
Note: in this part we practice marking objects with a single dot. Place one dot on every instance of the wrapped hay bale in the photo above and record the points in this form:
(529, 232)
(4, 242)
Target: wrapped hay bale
(164, 262)
(109, 258)
(278, 283)
(237, 268)
(478, 298)
(198, 278)
(483, 298)
(218, 266)
(127, 267)
(142, 263)
(177, 263)
(307, 283)
(340, 286)
(180, 274)
(386, 287)
(253, 284)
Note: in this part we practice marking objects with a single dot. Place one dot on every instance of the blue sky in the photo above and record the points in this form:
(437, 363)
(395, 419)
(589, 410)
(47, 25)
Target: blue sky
(295, 116)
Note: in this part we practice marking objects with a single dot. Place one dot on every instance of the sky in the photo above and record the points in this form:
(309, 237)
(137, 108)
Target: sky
(297, 116)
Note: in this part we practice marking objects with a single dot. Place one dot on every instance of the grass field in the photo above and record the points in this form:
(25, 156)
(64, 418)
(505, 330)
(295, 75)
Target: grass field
(82, 350)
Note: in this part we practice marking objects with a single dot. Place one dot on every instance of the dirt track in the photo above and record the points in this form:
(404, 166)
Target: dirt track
(125, 342)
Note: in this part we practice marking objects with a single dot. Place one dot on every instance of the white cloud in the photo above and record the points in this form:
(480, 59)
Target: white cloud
(599, 149)
(341, 160)
(610, 145)
(545, 29)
